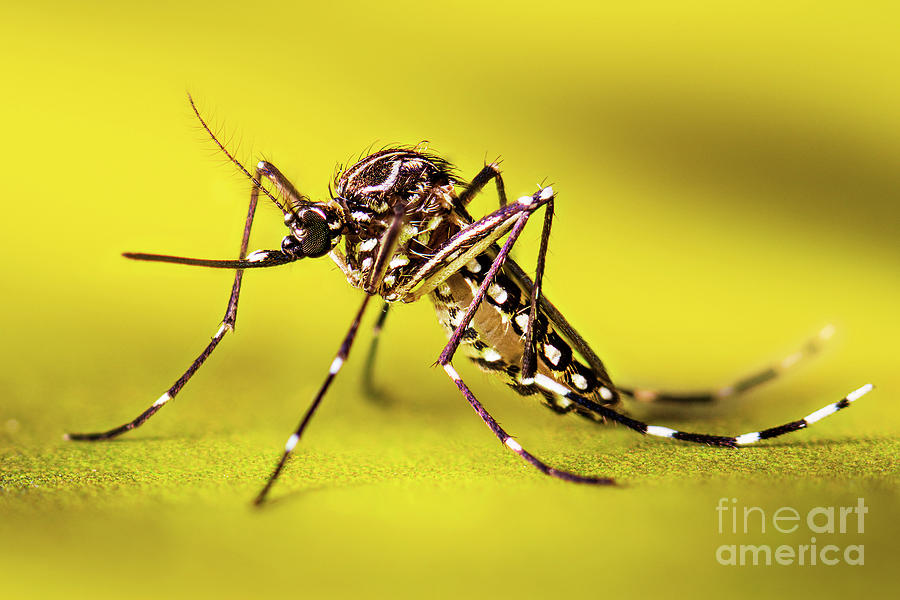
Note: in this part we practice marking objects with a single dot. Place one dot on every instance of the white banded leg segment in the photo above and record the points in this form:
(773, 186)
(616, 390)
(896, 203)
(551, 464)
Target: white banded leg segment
(227, 324)
(163, 399)
(724, 392)
(821, 413)
(513, 445)
(452, 372)
(750, 438)
(336, 365)
(747, 438)
(660, 431)
(859, 393)
(704, 438)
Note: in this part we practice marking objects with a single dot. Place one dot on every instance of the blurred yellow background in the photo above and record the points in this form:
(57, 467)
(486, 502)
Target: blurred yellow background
(728, 184)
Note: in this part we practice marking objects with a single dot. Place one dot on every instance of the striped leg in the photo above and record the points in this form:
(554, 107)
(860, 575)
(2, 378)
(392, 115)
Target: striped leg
(529, 363)
(389, 241)
(228, 324)
(747, 383)
(261, 258)
(336, 365)
(542, 197)
(512, 444)
(701, 438)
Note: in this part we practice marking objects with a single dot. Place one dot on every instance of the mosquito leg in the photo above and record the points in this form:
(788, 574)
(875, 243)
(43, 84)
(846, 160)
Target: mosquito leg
(491, 171)
(388, 244)
(529, 364)
(336, 365)
(228, 324)
(368, 380)
(702, 438)
(742, 385)
(512, 444)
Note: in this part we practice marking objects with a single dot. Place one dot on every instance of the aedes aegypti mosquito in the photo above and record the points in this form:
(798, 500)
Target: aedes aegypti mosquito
(397, 226)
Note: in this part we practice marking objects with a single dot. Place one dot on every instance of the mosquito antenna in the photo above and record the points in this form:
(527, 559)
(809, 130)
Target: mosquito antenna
(232, 158)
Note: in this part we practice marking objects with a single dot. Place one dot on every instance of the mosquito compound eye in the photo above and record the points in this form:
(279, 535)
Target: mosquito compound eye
(310, 235)
(316, 240)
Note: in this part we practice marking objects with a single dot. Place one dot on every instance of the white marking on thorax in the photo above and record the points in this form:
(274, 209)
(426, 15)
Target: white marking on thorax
(387, 183)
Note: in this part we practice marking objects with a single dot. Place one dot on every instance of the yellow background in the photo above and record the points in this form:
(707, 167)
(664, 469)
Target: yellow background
(728, 183)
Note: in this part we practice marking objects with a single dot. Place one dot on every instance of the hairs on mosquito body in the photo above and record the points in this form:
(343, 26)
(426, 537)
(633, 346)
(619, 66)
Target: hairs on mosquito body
(442, 163)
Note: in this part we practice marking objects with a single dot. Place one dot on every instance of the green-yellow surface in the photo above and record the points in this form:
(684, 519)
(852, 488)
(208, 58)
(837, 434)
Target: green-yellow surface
(728, 183)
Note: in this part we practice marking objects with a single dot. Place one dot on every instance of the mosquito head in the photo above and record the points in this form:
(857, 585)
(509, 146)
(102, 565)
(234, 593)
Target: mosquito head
(315, 230)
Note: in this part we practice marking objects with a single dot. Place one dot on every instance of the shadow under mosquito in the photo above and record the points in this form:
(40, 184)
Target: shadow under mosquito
(842, 443)
(181, 438)
(378, 396)
(286, 498)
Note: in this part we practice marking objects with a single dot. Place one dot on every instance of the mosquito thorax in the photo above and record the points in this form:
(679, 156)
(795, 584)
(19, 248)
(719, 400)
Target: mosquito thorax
(315, 229)
(378, 181)
(370, 193)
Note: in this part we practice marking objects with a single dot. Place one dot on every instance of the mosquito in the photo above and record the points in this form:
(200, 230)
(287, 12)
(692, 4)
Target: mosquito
(397, 225)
